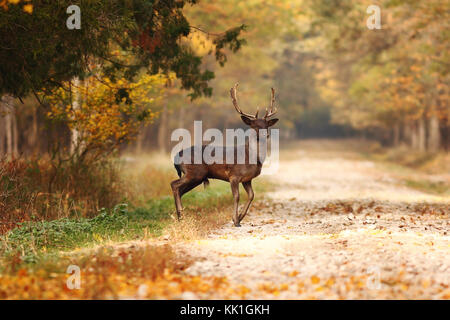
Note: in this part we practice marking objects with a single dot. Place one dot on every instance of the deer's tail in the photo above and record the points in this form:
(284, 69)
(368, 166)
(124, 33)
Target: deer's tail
(177, 165)
(178, 168)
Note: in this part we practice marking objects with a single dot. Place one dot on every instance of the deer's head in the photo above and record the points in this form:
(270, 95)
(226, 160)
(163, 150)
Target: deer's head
(252, 120)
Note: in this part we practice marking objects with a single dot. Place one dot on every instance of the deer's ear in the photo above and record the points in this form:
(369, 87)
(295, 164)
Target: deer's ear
(246, 120)
(271, 122)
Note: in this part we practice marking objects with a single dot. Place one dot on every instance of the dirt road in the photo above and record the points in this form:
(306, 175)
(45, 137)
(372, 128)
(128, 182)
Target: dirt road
(336, 226)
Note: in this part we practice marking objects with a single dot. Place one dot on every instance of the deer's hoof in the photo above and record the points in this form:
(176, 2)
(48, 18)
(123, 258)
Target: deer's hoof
(176, 217)
(237, 224)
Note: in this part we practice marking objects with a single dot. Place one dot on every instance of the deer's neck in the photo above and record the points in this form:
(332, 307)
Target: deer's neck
(259, 148)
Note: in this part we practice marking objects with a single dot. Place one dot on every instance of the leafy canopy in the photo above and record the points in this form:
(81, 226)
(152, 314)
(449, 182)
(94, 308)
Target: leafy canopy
(42, 52)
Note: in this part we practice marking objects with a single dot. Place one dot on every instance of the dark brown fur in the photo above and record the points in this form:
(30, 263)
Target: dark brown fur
(195, 174)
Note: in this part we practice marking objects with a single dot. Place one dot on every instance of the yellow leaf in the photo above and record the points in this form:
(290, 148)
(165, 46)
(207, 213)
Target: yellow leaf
(28, 8)
(284, 287)
(315, 279)
(330, 282)
(293, 273)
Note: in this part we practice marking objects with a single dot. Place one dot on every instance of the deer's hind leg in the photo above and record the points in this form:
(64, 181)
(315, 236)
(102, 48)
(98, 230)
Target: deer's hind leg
(176, 195)
(180, 187)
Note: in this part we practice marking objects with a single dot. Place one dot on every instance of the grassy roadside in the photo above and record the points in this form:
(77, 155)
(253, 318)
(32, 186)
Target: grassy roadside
(119, 251)
(43, 244)
(423, 171)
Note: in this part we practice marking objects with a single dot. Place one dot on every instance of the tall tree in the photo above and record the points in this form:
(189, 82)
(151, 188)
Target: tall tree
(154, 32)
(394, 76)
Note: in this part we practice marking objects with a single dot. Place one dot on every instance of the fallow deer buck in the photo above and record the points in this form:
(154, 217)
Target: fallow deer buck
(235, 173)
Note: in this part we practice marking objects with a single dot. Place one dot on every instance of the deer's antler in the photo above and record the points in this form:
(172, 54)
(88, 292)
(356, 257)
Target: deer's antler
(233, 93)
(271, 112)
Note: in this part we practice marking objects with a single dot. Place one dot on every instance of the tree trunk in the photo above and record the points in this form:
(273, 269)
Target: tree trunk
(407, 134)
(421, 135)
(139, 140)
(8, 109)
(181, 116)
(162, 130)
(445, 134)
(396, 135)
(8, 128)
(76, 100)
(2, 129)
(15, 131)
(33, 134)
(434, 134)
(415, 136)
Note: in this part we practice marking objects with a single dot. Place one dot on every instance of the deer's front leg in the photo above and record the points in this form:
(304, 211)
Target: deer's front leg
(176, 194)
(248, 188)
(235, 190)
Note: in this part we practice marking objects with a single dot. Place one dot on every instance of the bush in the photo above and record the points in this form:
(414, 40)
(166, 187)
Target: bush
(45, 189)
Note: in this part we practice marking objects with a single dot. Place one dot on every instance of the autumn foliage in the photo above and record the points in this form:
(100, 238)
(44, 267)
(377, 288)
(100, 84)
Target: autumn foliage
(109, 113)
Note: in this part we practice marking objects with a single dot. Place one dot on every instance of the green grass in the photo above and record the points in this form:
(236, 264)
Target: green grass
(413, 168)
(439, 188)
(34, 244)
